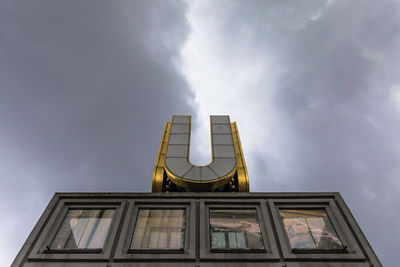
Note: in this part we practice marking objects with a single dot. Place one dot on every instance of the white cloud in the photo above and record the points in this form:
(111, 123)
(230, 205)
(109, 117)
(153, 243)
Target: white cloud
(224, 79)
(311, 87)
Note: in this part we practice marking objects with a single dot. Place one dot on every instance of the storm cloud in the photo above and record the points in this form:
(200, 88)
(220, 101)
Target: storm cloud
(86, 87)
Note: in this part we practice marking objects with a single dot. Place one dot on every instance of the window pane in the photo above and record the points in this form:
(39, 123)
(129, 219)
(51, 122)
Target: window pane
(240, 240)
(159, 229)
(232, 240)
(218, 240)
(310, 229)
(235, 229)
(83, 229)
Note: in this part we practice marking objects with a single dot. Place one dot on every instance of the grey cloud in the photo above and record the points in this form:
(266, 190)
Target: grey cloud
(346, 131)
(85, 89)
(336, 126)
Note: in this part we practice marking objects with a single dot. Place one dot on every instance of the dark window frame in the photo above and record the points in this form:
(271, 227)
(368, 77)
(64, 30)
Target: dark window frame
(314, 250)
(270, 251)
(146, 250)
(42, 248)
(124, 251)
(80, 250)
(236, 250)
(350, 249)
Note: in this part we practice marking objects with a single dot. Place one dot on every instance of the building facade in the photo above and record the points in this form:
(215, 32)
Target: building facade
(197, 216)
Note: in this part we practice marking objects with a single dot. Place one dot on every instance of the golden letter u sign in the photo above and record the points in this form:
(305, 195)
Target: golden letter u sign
(173, 171)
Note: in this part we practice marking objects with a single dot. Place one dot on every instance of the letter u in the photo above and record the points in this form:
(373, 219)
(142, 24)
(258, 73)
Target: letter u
(174, 165)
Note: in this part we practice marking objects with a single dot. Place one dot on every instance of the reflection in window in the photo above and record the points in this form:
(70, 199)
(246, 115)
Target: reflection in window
(159, 229)
(83, 229)
(310, 229)
(235, 229)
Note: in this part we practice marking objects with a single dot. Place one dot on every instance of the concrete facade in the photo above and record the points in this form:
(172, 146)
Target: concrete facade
(197, 253)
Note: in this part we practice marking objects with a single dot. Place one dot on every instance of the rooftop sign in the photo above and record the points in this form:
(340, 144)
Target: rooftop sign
(174, 172)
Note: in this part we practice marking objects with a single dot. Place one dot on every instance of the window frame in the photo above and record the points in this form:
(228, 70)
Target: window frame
(314, 250)
(42, 248)
(159, 250)
(79, 250)
(237, 250)
(206, 252)
(124, 251)
(350, 248)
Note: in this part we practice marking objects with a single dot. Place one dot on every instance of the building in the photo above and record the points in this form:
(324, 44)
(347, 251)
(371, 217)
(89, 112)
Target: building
(197, 216)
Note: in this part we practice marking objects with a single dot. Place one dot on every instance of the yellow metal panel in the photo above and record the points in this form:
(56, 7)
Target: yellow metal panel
(242, 176)
(158, 174)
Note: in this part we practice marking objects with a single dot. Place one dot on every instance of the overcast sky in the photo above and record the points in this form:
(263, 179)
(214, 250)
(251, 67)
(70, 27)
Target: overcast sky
(314, 86)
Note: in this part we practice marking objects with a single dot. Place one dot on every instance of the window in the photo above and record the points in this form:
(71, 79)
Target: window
(235, 229)
(310, 229)
(83, 229)
(159, 229)
(162, 229)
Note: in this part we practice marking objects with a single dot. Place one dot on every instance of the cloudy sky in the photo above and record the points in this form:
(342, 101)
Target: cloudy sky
(314, 86)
